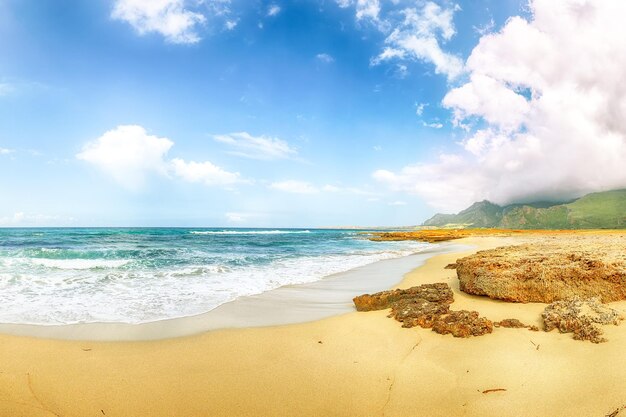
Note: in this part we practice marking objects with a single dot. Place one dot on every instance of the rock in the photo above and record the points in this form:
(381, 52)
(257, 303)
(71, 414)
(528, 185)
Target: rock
(510, 323)
(463, 324)
(547, 271)
(435, 293)
(581, 317)
(427, 306)
(514, 324)
(418, 312)
(450, 266)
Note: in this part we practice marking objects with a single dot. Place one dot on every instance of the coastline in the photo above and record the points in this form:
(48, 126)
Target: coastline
(354, 364)
(289, 304)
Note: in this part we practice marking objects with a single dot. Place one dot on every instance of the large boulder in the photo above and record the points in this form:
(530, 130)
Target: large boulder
(547, 272)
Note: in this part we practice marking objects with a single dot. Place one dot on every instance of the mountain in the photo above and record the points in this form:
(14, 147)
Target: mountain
(603, 210)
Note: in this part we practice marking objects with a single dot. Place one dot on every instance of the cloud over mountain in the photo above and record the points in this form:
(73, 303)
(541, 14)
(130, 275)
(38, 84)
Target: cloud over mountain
(543, 108)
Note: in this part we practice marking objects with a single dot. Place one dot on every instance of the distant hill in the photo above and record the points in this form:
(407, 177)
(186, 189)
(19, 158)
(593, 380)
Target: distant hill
(604, 210)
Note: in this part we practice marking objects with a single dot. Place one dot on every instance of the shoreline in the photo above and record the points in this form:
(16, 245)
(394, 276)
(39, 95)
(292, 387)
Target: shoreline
(289, 304)
(351, 365)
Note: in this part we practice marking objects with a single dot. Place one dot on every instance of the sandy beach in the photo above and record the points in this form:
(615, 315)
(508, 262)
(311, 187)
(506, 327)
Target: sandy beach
(354, 364)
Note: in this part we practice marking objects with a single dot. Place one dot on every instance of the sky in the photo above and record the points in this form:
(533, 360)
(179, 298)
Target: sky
(304, 113)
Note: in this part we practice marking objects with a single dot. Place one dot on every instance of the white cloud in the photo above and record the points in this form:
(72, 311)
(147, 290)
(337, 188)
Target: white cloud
(231, 24)
(367, 9)
(489, 99)
(419, 108)
(204, 172)
(549, 97)
(397, 203)
(486, 28)
(273, 9)
(5, 151)
(296, 187)
(257, 147)
(238, 217)
(402, 71)
(434, 125)
(170, 18)
(419, 36)
(130, 155)
(325, 58)
(303, 187)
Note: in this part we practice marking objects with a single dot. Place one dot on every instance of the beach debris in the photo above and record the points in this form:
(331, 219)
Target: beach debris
(514, 324)
(547, 271)
(581, 317)
(427, 306)
(487, 391)
(616, 411)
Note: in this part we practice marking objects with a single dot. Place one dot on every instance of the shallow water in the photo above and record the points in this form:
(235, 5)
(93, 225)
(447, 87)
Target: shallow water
(62, 276)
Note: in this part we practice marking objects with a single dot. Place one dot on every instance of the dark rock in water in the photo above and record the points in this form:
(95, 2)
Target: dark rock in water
(435, 293)
(581, 317)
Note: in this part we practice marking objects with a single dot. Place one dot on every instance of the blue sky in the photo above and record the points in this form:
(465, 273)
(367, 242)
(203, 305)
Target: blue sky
(248, 113)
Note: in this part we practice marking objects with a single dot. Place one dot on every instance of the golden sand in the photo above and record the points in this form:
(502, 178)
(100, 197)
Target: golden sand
(356, 364)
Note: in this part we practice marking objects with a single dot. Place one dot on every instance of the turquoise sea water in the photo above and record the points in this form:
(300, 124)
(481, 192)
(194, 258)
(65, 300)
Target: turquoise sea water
(58, 276)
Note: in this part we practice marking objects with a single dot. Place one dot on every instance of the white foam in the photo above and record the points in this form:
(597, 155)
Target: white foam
(79, 263)
(68, 293)
(249, 232)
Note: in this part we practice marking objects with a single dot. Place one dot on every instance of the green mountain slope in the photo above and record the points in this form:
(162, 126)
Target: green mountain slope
(604, 210)
(483, 213)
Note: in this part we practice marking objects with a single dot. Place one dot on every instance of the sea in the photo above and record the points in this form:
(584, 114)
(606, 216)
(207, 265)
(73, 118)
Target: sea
(53, 276)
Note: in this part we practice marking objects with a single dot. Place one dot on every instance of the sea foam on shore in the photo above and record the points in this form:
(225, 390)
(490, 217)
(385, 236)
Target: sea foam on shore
(63, 276)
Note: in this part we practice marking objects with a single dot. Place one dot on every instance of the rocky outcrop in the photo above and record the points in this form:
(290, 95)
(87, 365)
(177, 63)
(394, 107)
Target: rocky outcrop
(548, 271)
(427, 306)
(581, 317)
(463, 324)
(514, 324)
(436, 293)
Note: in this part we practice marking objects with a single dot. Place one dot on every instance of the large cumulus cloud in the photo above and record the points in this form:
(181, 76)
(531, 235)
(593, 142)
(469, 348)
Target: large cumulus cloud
(544, 108)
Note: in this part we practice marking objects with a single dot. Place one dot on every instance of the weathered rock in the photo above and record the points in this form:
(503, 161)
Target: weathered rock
(450, 266)
(463, 324)
(427, 306)
(514, 324)
(510, 323)
(581, 317)
(435, 293)
(418, 312)
(547, 271)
